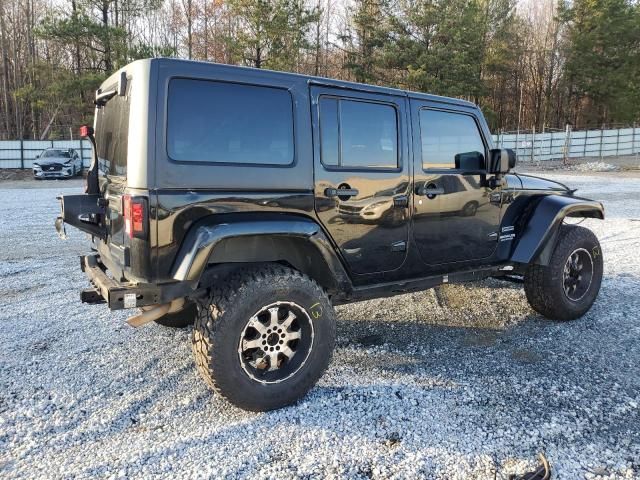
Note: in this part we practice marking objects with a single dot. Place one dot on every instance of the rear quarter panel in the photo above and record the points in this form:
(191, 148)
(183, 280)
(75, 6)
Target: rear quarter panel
(178, 210)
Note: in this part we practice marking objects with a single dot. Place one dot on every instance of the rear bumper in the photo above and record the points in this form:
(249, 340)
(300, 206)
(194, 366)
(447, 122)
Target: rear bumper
(121, 295)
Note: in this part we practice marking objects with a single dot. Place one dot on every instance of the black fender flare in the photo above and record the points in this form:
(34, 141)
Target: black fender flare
(540, 232)
(298, 241)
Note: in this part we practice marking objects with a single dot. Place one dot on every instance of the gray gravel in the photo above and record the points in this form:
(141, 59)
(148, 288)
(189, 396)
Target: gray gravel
(463, 382)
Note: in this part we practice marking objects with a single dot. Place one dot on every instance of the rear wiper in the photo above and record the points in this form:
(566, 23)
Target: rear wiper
(103, 97)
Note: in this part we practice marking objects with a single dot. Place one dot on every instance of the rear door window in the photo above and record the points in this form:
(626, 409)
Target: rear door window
(358, 134)
(220, 122)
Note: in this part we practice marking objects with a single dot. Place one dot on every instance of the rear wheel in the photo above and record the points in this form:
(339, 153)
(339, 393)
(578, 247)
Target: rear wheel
(567, 287)
(264, 338)
(470, 209)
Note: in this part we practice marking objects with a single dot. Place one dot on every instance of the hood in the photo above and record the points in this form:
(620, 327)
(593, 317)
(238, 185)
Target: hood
(531, 182)
(51, 161)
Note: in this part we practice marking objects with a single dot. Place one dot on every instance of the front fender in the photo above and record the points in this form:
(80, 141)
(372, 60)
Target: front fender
(297, 241)
(537, 240)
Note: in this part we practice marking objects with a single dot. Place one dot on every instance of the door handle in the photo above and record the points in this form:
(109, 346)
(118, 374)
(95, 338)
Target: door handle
(340, 192)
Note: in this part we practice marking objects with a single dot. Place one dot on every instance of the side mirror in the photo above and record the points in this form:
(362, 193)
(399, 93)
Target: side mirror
(38, 156)
(469, 161)
(501, 160)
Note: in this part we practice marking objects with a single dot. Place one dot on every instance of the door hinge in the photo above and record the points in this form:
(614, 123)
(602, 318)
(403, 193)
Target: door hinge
(399, 246)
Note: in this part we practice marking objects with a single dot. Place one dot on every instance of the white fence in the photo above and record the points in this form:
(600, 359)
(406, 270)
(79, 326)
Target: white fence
(571, 144)
(22, 153)
(528, 146)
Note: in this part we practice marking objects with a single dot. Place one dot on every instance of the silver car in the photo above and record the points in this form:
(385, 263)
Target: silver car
(57, 163)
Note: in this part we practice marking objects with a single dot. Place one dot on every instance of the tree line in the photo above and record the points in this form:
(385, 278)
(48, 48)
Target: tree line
(528, 64)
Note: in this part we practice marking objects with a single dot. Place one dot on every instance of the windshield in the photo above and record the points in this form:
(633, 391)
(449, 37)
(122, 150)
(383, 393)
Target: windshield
(56, 154)
(112, 129)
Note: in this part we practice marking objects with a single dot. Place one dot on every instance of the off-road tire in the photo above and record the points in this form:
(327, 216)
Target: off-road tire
(182, 319)
(544, 285)
(222, 319)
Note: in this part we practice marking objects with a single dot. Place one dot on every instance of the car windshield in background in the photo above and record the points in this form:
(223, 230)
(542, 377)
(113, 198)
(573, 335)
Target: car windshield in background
(56, 154)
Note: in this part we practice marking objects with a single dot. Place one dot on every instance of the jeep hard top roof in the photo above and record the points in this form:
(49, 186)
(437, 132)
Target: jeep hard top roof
(312, 80)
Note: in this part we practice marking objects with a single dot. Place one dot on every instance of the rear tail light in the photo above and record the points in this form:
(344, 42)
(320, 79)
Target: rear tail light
(86, 131)
(134, 210)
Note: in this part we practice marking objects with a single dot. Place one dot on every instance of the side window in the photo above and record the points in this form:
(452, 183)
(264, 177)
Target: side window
(218, 122)
(447, 138)
(358, 134)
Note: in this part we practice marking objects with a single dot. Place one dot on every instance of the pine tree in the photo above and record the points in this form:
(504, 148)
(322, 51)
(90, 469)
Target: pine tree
(366, 40)
(603, 59)
(437, 46)
(270, 33)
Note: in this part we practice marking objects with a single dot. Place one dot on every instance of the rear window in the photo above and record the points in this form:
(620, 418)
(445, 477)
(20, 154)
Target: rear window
(112, 133)
(218, 122)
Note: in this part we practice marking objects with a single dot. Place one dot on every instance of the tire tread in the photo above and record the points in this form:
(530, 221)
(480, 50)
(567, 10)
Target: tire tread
(540, 284)
(213, 313)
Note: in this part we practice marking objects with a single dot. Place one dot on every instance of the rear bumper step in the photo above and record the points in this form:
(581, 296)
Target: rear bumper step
(121, 295)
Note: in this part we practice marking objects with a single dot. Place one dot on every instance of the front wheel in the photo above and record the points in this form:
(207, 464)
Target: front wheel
(567, 287)
(264, 338)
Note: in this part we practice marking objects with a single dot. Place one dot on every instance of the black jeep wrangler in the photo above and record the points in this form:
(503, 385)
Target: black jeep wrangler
(252, 201)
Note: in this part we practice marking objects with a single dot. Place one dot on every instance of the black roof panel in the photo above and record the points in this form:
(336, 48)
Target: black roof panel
(330, 82)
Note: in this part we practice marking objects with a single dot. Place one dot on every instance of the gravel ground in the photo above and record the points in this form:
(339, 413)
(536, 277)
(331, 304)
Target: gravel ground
(457, 383)
(625, 163)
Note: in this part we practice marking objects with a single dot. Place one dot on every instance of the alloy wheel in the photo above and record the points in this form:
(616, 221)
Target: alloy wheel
(577, 274)
(275, 342)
